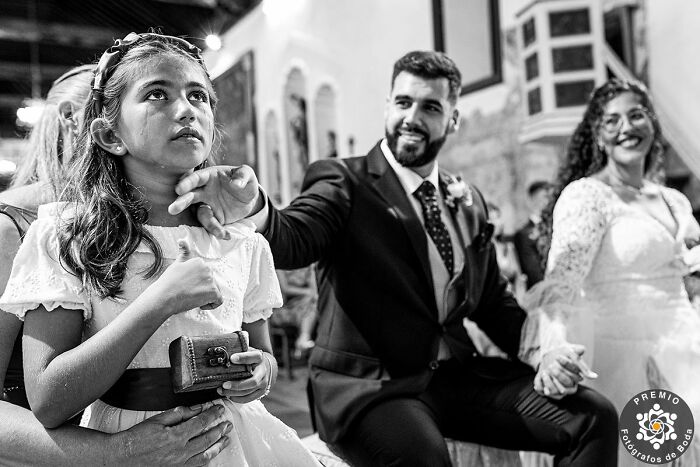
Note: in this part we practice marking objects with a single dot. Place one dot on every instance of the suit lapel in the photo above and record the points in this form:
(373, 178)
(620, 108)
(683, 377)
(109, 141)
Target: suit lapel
(388, 186)
(465, 222)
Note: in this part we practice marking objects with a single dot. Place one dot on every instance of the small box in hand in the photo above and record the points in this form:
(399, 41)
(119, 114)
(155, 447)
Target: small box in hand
(204, 362)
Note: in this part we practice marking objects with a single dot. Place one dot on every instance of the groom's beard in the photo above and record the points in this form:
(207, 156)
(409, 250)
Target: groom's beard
(410, 155)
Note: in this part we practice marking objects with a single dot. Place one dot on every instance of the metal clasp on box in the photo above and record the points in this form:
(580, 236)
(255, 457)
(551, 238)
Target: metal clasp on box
(219, 356)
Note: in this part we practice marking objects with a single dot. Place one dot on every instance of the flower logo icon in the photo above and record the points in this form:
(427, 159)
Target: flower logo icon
(656, 426)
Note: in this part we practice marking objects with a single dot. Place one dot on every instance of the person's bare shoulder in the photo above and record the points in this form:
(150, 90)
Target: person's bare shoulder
(27, 197)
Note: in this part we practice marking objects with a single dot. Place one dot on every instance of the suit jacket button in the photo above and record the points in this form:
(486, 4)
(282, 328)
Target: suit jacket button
(433, 365)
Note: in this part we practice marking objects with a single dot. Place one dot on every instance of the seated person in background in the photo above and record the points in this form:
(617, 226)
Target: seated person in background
(525, 239)
(505, 250)
(299, 310)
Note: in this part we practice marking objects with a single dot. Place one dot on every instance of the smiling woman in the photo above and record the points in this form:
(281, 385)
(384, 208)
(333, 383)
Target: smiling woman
(617, 254)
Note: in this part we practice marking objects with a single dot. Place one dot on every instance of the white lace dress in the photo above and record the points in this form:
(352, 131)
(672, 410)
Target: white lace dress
(614, 276)
(244, 272)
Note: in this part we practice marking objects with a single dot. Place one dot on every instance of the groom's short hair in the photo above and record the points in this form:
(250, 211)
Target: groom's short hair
(429, 64)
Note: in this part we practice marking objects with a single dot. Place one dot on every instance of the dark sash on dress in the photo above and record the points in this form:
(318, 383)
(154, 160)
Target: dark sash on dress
(151, 389)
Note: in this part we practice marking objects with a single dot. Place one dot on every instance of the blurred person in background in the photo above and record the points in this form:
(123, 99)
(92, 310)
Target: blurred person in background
(525, 239)
(615, 242)
(179, 436)
(505, 251)
(300, 306)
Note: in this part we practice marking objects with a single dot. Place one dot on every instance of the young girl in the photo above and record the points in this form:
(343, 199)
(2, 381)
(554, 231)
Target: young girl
(111, 266)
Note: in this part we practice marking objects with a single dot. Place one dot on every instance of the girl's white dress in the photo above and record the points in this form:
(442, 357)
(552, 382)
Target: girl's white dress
(615, 276)
(244, 271)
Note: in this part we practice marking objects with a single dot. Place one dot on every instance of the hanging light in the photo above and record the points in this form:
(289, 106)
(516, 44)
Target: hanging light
(213, 41)
(30, 112)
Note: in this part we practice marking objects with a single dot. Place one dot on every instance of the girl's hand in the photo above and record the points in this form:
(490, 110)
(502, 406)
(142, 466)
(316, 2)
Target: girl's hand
(258, 385)
(187, 283)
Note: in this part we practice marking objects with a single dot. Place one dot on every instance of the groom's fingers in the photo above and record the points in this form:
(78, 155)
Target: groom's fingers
(241, 175)
(206, 217)
(570, 369)
(538, 383)
(181, 203)
(194, 180)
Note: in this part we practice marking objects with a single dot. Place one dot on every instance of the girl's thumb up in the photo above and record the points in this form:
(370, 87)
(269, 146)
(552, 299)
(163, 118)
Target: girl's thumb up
(185, 252)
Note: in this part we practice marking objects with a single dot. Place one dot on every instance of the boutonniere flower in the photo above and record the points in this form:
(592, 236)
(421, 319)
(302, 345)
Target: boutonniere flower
(458, 192)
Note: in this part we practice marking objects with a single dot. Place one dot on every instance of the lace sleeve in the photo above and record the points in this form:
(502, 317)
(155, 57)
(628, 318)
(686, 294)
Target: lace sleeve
(37, 277)
(579, 223)
(263, 289)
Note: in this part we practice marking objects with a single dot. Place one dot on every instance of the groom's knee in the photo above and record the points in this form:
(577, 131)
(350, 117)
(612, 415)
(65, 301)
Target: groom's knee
(389, 452)
(597, 417)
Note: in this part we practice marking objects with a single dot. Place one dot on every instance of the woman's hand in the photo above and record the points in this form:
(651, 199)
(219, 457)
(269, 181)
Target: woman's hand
(561, 371)
(180, 436)
(258, 385)
(186, 284)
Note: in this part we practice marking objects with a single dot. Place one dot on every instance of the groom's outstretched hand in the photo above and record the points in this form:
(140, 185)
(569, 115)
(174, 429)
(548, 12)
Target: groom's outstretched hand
(561, 370)
(224, 194)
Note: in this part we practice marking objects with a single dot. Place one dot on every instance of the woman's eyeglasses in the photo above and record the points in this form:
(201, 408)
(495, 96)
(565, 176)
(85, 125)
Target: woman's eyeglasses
(636, 117)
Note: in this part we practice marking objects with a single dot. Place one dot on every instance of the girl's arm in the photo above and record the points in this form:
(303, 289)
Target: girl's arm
(9, 328)
(9, 324)
(260, 355)
(64, 376)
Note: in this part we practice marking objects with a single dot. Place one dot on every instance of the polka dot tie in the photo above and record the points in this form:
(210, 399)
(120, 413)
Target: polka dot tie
(433, 223)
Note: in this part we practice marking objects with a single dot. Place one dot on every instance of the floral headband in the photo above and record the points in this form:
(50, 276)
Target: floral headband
(114, 54)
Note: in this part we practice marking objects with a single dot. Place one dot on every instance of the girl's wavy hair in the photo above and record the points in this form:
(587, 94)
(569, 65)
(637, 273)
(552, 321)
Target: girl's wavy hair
(584, 157)
(108, 214)
(47, 152)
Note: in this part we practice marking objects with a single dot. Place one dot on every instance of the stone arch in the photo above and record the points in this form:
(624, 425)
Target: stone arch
(325, 112)
(296, 127)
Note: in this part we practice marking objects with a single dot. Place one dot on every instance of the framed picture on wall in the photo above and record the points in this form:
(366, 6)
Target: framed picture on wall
(469, 31)
(235, 113)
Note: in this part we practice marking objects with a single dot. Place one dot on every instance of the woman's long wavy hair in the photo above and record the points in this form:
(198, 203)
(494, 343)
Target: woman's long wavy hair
(109, 214)
(48, 153)
(584, 157)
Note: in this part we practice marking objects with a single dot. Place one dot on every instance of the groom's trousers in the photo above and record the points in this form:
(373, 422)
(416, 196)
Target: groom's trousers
(580, 429)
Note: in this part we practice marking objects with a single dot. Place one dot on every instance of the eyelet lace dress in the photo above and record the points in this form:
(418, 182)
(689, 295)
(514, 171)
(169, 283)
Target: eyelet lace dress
(615, 279)
(244, 271)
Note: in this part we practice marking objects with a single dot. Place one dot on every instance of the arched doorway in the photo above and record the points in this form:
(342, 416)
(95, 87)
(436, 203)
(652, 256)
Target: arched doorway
(272, 158)
(295, 109)
(326, 122)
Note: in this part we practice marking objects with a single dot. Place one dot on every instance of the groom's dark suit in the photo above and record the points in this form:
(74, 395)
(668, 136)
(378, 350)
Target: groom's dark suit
(379, 333)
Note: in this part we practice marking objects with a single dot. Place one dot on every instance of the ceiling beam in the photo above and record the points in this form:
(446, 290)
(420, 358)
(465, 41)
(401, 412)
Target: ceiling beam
(13, 101)
(18, 71)
(22, 30)
(199, 3)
